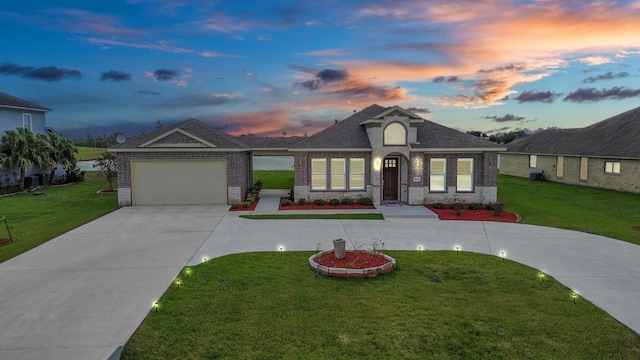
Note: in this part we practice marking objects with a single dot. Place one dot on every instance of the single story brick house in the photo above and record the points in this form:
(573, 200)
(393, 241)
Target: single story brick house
(387, 154)
(604, 155)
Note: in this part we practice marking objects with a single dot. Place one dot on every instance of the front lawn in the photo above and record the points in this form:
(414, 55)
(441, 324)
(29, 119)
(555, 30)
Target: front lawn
(272, 306)
(35, 219)
(604, 212)
(274, 179)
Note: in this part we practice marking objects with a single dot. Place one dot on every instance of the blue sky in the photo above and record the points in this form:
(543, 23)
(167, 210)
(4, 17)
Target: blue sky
(268, 67)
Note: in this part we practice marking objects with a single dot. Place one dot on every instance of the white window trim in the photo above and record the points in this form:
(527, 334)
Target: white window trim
(612, 167)
(386, 138)
(30, 121)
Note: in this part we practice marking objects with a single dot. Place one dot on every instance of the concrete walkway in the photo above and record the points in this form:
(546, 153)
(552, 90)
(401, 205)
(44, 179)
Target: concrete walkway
(82, 295)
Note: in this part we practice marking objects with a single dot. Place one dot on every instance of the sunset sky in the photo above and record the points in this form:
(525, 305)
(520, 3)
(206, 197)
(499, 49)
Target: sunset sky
(268, 67)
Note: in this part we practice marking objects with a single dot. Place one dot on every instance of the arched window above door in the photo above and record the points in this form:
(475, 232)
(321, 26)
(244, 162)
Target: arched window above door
(395, 134)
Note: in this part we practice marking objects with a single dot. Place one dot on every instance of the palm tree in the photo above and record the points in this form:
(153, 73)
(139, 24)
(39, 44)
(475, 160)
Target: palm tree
(63, 152)
(20, 149)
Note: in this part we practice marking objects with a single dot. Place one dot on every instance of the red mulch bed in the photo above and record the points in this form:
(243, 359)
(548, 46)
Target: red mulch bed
(250, 208)
(326, 206)
(108, 191)
(4, 241)
(636, 227)
(475, 215)
(352, 260)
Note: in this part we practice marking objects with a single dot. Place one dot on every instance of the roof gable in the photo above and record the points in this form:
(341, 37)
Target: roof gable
(189, 134)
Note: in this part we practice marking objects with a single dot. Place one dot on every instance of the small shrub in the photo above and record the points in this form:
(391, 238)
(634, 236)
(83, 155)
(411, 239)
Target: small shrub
(437, 205)
(348, 201)
(458, 206)
(475, 206)
(286, 202)
(251, 199)
(246, 204)
(318, 202)
(235, 205)
(365, 201)
(302, 201)
(258, 184)
(496, 207)
(292, 195)
(334, 202)
(73, 175)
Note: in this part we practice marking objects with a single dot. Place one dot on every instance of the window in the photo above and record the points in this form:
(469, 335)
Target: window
(560, 166)
(338, 174)
(612, 167)
(26, 121)
(356, 174)
(318, 174)
(438, 175)
(584, 167)
(533, 161)
(395, 134)
(465, 175)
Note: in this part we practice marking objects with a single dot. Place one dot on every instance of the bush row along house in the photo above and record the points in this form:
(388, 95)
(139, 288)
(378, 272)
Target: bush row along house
(384, 153)
(604, 155)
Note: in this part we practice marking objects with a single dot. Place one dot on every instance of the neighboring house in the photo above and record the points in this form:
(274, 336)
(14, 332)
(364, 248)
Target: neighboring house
(604, 155)
(387, 154)
(19, 113)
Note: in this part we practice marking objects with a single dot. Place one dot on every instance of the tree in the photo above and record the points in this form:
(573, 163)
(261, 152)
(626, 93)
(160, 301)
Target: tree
(21, 148)
(108, 167)
(63, 152)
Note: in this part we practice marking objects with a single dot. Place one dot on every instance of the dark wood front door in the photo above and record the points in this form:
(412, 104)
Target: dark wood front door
(390, 179)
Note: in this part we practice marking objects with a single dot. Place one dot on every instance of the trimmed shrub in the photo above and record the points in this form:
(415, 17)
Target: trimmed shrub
(301, 201)
(348, 201)
(334, 202)
(365, 201)
(475, 206)
(318, 202)
(235, 205)
(286, 202)
(437, 205)
(246, 204)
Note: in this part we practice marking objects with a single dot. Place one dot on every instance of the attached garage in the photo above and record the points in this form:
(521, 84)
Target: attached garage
(189, 163)
(178, 182)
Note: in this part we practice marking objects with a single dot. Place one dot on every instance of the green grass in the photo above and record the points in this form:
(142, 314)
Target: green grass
(35, 219)
(604, 212)
(315, 216)
(274, 179)
(89, 153)
(271, 306)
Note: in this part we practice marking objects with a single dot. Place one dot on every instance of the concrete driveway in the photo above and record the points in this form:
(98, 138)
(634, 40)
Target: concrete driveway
(82, 295)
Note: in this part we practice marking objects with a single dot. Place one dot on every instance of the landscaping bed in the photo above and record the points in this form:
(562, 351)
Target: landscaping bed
(243, 208)
(325, 206)
(482, 214)
(355, 264)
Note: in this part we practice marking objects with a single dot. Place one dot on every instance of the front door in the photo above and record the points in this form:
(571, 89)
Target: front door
(390, 179)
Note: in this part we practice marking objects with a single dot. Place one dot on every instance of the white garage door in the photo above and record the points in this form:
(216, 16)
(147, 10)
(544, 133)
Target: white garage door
(178, 182)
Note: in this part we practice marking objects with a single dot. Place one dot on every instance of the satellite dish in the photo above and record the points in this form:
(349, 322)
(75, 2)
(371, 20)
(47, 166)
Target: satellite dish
(120, 138)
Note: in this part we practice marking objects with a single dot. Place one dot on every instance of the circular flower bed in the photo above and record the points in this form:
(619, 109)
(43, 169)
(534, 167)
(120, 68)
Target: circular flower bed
(355, 264)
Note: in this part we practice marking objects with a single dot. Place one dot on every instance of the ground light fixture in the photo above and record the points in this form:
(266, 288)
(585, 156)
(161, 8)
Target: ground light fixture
(574, 296)
(178, 283)
(419, 249)
(502, 255)
(204, 260)
(155, 306)
(188, 271)
(281, 249)
(457, 248)
(541, 276)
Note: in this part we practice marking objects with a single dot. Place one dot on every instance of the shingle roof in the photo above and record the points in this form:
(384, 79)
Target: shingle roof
(263, 142)
(9, 101)
(345, 134)
(617, 136)
(348, 133)
(436, 136)
(194, 127)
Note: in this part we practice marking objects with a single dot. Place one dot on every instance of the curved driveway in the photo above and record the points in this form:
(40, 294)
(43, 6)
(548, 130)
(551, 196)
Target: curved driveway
(82, 294)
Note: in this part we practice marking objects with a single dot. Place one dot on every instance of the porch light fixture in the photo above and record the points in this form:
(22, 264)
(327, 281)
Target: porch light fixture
(377, 163)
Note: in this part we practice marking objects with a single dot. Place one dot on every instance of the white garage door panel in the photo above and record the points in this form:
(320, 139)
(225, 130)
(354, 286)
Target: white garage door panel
(178, 182)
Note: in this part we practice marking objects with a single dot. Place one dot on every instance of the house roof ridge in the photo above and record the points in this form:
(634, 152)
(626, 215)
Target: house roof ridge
(8, 100)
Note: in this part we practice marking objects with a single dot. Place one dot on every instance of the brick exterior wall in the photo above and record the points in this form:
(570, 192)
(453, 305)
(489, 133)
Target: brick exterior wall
(239, 169)
(628, 180)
